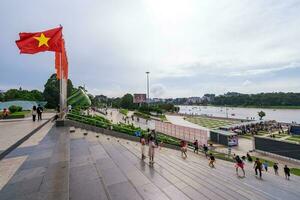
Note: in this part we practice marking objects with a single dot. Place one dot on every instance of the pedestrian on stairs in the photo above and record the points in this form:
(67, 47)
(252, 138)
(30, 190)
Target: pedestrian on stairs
(239, 164)
(212, 160)
(143, 146)
(258, 167)
(151, 150)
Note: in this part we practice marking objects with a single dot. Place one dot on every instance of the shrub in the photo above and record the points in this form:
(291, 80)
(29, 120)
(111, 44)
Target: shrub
(14, 108)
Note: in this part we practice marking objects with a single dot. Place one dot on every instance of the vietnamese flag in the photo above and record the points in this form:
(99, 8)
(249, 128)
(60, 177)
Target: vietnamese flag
(61, 63)
(50, 40)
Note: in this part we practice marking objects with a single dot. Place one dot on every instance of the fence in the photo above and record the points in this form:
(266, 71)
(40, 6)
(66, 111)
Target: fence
(281, 148)
(182, 132)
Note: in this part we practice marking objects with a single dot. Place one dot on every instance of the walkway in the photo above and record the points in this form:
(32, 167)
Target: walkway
(73, 166)
(179, 120)
(13, 130)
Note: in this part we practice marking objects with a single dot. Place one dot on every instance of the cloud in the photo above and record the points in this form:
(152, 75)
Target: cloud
(253, 72)
(246, 83)
(190, 47)
(158, 90)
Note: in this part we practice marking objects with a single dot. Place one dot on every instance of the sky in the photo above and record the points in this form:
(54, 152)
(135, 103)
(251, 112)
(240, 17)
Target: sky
(190, 47)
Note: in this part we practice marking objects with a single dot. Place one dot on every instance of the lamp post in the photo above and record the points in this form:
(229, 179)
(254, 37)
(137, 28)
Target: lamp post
(148, 98)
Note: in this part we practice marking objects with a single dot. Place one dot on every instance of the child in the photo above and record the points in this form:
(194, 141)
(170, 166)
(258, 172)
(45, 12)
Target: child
(266, 164)
(287, 172)
(143, 144)
(211, 160)
(275, 167)
(183, 148)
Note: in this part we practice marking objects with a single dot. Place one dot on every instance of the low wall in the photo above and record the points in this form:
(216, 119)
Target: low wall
(281, 148)
(107, 132)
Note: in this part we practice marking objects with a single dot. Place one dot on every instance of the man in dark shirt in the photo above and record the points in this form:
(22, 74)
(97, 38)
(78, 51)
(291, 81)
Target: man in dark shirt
(39, 112)
(287, 172)
(258, 167)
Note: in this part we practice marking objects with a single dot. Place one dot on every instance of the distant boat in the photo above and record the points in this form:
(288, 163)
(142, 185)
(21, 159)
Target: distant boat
(232, 114)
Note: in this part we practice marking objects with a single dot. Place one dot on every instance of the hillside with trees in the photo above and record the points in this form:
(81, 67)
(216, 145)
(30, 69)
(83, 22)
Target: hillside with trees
(279, 99)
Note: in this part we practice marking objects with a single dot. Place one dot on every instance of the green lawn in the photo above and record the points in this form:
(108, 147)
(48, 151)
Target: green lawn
(123, 111)
(295, 171)
(210, 122)
(294, 138)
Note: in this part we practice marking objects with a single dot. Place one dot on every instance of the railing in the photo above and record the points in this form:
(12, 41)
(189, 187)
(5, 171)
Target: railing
(182, 132)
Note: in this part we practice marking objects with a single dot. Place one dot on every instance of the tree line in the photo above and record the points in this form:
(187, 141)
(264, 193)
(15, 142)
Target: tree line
(258, 100)
(50, 93)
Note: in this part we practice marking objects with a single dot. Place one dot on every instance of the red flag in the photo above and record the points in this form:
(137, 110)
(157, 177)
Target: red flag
(61, 62)
(50, 40)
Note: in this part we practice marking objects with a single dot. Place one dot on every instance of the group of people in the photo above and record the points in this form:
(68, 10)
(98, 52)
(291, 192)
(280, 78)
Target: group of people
(151, 140)
(258, 166)
(37, 111)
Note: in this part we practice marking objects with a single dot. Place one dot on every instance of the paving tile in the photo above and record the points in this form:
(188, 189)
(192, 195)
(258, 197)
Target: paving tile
(90, 190)
(27, 174)
(35, 163)
(175, 193)
(112, 176)
(123, 191)
(151, 192)
(18, 189)
(82, 174)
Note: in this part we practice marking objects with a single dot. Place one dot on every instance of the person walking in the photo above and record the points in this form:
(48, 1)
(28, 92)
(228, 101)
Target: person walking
(33, 112)
(151, 150)
(196, 147)
(249, 158)
(287, 172)
(205, 149)
(183, 148)
(275, 167)
(212, 160)
(239, 164)
(266, 165)
(143, 144)
(258, 167)
(39, 112)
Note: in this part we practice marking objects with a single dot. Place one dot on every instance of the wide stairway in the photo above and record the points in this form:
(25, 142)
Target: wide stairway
(87, 165)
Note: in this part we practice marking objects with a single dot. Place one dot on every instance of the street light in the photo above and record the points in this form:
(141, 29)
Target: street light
(148, 97)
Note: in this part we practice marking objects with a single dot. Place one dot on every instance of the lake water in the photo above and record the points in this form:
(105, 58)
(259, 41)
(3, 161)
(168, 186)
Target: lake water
(280, 115)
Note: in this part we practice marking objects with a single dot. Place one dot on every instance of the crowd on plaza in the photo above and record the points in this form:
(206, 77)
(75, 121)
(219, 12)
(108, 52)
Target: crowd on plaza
(254, 128)
(258, 165)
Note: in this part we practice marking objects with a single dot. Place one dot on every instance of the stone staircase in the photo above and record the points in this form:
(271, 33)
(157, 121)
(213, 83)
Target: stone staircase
(119, 168)
(73, 163)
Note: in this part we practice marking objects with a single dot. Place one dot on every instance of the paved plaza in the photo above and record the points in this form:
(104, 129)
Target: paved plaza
(13, 130)
(67, 165)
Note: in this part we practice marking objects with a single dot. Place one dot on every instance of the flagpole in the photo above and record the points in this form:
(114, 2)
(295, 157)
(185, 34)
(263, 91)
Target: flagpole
(61, 87)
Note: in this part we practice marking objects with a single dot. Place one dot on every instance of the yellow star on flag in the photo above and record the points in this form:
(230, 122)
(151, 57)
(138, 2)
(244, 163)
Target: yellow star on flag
(42, 40)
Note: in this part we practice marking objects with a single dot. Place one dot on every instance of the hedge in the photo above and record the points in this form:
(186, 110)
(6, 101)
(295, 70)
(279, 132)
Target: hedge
(99, 121)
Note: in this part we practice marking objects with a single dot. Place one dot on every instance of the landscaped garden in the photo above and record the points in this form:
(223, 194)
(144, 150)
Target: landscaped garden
(102, 122)
(210, 123)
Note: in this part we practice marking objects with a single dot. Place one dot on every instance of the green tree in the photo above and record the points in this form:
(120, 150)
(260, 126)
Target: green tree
(51, 91)
(127, 101)
(261, 114)
(19, 94)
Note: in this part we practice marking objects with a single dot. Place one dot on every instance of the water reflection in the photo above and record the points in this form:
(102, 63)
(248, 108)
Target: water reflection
(280, 115)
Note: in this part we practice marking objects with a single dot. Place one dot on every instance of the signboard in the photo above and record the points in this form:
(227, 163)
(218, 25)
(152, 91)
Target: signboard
(139, 98)
(182, 132)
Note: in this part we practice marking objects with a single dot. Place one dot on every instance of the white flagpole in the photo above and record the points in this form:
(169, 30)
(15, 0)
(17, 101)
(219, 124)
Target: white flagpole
(61, 88)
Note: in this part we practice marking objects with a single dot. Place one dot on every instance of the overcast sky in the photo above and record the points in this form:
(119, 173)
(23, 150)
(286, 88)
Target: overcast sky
(190, 47)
